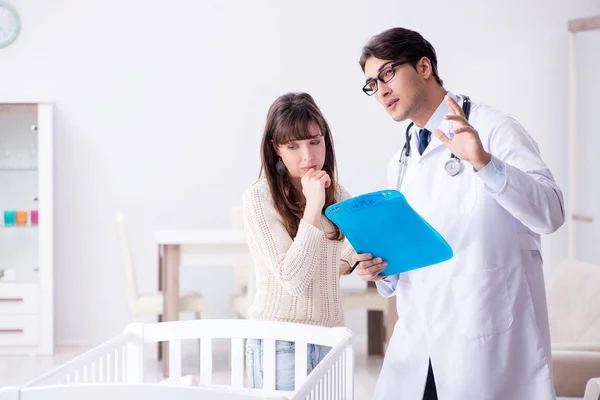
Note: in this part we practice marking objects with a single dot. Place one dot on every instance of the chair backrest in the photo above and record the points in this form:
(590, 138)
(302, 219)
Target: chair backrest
(574, 302)
(244, 272)
(132, 292)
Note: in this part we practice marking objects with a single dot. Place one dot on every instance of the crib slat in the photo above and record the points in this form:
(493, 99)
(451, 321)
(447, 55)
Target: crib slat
(206, 361)
(348, 379)
(336, 380)
(237, 362)
(300, 358)
(175, 359)
(339, 380)
(332, 382)
(109, 368)
(134, 354)
(101, 372)
(117, 365)
(344, 369)
(268, 364)
(93, 369)
(322, 388)
(124, 364)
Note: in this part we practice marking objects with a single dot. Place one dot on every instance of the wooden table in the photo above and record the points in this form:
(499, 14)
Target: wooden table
(198, 247)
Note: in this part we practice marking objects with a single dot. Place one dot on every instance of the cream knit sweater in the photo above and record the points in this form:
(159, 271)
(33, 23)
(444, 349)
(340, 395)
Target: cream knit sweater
(297, 279)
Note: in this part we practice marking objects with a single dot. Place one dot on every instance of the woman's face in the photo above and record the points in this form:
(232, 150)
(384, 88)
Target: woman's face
(299, 156)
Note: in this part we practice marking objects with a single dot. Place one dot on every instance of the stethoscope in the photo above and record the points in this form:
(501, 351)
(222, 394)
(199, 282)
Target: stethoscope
(452, 166)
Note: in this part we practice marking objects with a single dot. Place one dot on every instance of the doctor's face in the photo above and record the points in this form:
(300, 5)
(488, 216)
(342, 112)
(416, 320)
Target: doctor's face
(299, 156)
(402, 94)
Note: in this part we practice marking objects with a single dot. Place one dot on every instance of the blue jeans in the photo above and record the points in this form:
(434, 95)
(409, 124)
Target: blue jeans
(284, 362)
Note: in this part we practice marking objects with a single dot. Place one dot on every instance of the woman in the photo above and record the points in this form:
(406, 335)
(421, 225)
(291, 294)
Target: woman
(297, 252)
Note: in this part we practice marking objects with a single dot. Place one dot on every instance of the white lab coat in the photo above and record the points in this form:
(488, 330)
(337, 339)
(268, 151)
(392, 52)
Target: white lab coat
(481, 316)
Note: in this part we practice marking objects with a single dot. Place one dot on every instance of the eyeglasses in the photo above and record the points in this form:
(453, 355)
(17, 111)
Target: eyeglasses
(386, 75)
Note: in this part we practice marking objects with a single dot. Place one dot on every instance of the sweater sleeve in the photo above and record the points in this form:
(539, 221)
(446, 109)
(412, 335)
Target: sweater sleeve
(292, 261)
(348, 251)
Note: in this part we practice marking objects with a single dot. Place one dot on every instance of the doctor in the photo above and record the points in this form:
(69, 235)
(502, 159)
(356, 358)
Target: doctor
(476, 326)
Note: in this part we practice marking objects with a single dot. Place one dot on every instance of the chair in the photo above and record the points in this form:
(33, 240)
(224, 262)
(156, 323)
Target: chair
(150, 303)
(574, 315)
(243, 275)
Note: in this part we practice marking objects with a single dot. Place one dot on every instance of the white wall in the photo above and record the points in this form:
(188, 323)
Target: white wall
(160, 108)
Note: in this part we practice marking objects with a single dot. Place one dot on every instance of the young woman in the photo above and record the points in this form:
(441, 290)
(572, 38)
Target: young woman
(297, 252)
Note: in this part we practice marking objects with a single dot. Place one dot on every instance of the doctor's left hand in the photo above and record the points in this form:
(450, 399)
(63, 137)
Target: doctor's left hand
(466, 143)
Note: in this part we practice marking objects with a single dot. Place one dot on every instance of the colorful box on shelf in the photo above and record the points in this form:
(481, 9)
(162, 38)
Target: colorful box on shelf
(9, 217)
(20, 218)
(33, 216)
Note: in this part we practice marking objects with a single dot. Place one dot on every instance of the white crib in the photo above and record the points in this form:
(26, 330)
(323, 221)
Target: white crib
(115, 369)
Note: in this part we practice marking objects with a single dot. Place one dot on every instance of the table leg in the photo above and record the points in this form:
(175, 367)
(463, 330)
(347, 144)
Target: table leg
(391, 318)
(375, 331)
(161, 277)
(172, 260)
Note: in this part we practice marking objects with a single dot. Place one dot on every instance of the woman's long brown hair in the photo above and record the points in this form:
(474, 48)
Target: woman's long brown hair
(288, 119)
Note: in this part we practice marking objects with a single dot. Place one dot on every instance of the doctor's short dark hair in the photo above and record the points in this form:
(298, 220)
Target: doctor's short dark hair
(399, 44)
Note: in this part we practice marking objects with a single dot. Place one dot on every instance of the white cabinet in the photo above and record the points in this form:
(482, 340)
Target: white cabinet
(26, 229)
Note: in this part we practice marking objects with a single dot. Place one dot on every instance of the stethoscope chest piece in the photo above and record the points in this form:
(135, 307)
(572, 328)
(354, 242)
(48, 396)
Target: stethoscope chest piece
(452, 166)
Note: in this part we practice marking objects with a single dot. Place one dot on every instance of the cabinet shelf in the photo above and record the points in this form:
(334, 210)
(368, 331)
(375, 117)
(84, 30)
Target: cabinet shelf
(27, 251)
(21, 276)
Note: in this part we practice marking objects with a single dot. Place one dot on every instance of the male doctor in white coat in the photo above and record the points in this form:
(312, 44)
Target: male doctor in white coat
(476, 326)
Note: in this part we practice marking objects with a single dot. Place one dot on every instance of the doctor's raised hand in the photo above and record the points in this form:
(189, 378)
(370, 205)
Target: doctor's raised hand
(466, 144)
(368, 268)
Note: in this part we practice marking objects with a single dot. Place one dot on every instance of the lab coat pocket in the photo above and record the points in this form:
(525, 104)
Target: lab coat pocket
(483, 306)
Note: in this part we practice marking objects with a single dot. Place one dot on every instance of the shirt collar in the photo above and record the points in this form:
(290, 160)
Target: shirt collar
(437, 121)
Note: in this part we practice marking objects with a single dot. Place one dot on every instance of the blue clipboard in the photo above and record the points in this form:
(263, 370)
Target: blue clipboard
(384, 224)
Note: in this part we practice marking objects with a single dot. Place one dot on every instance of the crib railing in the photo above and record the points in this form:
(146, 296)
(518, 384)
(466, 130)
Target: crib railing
(120, 360)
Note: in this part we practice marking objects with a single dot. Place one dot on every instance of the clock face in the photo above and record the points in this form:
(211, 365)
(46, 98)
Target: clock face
(9, 25)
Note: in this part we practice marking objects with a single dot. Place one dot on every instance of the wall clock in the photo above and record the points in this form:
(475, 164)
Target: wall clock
(10, 24)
